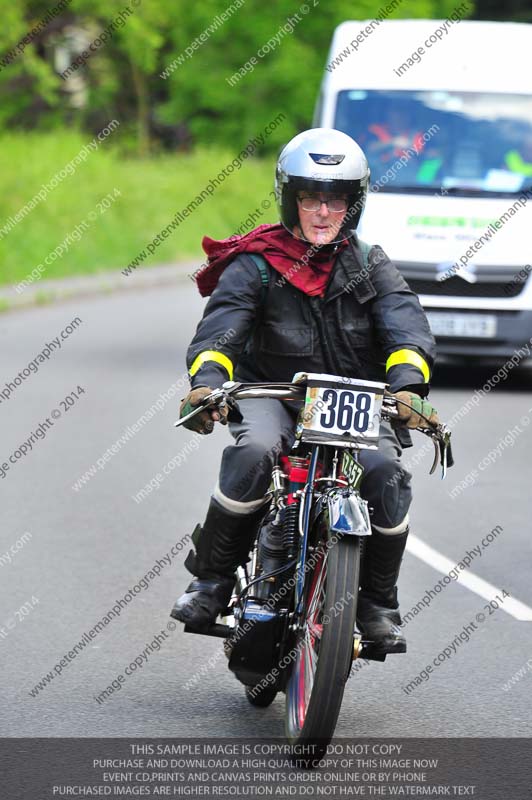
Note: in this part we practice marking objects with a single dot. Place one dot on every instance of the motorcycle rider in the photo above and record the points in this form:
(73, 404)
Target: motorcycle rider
(316, 305)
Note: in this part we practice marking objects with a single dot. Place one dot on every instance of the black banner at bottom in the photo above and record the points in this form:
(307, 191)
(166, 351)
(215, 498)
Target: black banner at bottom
(49, 769)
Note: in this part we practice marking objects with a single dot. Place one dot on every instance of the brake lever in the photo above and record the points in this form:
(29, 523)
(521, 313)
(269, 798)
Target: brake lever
(215, 399)
(441, 438)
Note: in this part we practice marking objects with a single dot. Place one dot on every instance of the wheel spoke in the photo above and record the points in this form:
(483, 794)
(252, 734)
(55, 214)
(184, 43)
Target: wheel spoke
(317, 591)
(316, 630)
(309, 676)
(312, 659)
(306, 664)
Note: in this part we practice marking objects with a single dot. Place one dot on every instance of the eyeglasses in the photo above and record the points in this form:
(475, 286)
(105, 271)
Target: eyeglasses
(336, 205)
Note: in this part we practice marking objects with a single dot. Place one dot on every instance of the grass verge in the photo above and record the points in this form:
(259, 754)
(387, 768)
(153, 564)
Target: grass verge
(143, 197)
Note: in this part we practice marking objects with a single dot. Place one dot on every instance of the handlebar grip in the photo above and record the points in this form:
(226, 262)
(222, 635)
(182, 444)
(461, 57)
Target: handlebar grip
(234, 414)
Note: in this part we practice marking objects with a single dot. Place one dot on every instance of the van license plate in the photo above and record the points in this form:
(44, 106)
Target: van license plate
(478, 326)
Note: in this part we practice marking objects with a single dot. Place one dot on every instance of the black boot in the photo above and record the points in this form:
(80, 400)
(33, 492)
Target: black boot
(222, 544)
(378, 609)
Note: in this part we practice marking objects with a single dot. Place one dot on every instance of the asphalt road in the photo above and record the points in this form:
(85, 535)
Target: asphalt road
(89, 547)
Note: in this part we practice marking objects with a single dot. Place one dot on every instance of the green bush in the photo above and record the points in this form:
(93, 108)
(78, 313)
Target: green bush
(151, 192)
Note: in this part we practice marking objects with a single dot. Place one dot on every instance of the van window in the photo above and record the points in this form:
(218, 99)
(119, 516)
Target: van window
(472, 143)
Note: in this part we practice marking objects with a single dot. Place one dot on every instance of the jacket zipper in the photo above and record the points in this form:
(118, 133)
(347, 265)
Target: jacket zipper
(330, 358)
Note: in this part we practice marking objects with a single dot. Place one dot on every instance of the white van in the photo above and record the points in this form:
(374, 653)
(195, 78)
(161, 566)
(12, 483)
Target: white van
(443, 111)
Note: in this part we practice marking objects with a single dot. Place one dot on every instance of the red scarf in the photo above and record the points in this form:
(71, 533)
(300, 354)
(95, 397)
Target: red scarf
(280, 249)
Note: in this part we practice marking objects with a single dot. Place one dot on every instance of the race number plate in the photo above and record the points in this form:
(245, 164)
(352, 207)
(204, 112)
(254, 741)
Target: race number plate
(352, 470)
(342, 410)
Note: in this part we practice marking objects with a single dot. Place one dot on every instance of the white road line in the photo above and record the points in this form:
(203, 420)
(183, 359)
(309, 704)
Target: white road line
(439, 562)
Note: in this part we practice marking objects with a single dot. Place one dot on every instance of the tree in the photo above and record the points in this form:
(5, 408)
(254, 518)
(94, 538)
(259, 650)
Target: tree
(178, 73)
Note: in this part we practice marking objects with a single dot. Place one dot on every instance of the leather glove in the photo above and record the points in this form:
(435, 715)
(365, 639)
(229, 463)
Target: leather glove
(203, 422)
(410, 416)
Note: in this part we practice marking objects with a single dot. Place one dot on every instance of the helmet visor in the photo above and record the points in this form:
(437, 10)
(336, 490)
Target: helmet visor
(300, 208)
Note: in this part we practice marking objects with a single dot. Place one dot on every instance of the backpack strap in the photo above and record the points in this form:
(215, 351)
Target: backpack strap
(260, 263)
(365, 250)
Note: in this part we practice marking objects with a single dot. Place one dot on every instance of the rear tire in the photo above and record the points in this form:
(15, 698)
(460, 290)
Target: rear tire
(315, 687)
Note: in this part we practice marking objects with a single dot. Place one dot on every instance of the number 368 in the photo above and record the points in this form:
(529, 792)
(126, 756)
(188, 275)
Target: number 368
(346, 410)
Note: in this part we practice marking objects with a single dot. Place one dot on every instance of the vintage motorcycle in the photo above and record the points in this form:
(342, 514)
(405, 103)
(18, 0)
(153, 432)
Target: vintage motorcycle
(291, 623)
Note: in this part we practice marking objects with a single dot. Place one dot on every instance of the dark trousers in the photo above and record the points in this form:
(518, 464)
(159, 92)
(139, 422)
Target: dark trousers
(268, 429)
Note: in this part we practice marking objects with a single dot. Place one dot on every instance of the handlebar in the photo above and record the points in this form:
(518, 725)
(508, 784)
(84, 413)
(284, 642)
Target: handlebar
(233, 391)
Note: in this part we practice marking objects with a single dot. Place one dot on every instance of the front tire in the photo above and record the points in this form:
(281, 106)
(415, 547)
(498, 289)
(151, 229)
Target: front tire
(315, 688)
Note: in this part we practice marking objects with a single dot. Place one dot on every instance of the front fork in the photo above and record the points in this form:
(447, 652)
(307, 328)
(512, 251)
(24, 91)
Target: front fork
(349, 516)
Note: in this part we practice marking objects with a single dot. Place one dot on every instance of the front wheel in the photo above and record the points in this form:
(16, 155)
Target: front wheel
(324, 645)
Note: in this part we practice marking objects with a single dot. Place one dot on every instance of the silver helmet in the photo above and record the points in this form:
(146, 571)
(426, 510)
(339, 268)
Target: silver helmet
(322, 160)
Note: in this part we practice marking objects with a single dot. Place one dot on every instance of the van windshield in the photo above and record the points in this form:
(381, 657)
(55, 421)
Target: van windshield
(465, 142)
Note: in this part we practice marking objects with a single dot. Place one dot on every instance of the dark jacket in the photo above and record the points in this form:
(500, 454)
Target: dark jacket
(368, 317)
